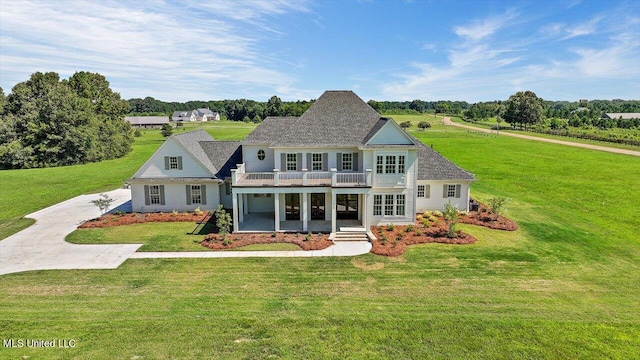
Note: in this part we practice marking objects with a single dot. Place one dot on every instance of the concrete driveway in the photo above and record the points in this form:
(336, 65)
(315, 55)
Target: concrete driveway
(42, 246)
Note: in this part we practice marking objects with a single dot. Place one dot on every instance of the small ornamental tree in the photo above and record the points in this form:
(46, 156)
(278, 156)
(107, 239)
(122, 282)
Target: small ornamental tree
(405, 124)
(167, 130)
(223, 221)
(103, 203)
(450, 215)
(496, 206)
(424, 125)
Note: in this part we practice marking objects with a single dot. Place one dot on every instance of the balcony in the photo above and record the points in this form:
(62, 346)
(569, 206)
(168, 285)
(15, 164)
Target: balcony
(331, 178)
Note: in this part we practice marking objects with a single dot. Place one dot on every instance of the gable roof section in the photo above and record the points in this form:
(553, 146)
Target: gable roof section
(224, 155)
(337, 118)
(378, 128)
(433, 166)
(270, 130)
(190, 140)
(622, 115)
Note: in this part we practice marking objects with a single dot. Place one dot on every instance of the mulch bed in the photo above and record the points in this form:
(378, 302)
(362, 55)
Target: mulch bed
(305, 242)
(110, 220)
(401, 236)
(483, 217)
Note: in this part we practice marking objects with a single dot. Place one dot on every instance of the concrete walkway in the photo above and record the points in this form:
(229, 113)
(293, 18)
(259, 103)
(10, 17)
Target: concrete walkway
(447, 121)
(42, 246)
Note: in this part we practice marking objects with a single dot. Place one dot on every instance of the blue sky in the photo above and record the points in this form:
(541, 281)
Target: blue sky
(383, 50)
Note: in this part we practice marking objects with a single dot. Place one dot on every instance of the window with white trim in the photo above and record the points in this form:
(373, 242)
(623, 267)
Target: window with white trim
(400, 204)
(401, 164)
(316, 162)
(292, 162)
(261, 155)
(451, 190)
(347, 161)
(390, 166)
(388, 205)
(377, 205)
(154, 194)
(421, 191)
(173, 163)
(379, 164)
(196, 194)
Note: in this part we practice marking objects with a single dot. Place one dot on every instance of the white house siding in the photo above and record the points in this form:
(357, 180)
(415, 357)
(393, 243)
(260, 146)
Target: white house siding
(409, 217)
(332, 156)
(436, 200)
(226, 199)
(251, 161)
(175, 196)
(155, 166)
(260, 202)
(390, 134)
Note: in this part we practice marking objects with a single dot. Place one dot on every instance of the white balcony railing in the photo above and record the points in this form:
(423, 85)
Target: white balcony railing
(300, 178)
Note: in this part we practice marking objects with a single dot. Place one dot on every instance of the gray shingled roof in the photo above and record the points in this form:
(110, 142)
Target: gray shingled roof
(337, 118)
(433, 166)
(224, 155)
(270, 130)
(190, 140)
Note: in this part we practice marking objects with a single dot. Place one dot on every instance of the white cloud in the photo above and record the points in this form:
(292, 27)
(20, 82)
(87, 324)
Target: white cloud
(479, 30)
(167, 48)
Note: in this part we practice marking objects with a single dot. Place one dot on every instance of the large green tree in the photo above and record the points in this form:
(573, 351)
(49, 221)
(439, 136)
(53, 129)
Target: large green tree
(524, 108)
(48, 122)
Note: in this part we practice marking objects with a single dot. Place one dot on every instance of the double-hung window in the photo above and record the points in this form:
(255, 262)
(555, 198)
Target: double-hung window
(379, 164)
(401, 164)
(390, 167)
(316, 162)
(292, 162)
(451, 190)
(154, 194)
(421, 191)
(400, 204)
(173, 162)
(388, 205)
(377, 205)
(196, 194)
(347, 161)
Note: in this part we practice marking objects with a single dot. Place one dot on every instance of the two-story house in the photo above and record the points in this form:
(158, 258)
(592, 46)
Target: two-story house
(338, 165)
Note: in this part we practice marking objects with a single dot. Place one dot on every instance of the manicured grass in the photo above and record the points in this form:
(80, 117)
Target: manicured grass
(170, 236)
(267, 247)
(12, 226)
(563, 286)
(45, 187)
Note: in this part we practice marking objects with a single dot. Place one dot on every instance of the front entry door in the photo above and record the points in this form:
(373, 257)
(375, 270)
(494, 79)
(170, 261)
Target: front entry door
(317, 206)
(292, 206)
(347, 206)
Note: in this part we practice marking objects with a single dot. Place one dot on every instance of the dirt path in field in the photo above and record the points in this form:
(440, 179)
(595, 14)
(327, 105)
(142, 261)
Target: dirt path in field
(447, 121)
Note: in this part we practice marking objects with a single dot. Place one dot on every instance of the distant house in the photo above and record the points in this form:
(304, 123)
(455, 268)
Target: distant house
(621, 116)
(183, 116)
(206, 115)
(195, 115)
(147, 122)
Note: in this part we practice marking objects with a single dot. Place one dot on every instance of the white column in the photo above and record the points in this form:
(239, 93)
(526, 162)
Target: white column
(304, 211)
(236, 225)
(365, 212)
(333, 212)
(276, 205)
(245, 203)
(241, 208)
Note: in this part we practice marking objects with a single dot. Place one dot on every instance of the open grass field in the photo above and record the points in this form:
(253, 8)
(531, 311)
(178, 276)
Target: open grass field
(564, 286)
(44, 187)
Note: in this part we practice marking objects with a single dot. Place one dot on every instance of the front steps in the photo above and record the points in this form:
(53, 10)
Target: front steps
(350, 236)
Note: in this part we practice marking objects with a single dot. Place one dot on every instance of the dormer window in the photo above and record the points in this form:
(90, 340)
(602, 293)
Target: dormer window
(261, 155)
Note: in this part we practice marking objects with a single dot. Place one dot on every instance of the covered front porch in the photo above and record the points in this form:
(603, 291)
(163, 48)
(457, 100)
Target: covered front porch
(298, 210)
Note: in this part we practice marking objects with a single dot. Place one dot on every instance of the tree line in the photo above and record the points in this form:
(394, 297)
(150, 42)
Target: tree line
(560, 113)
(234, 110)
(46, 121)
